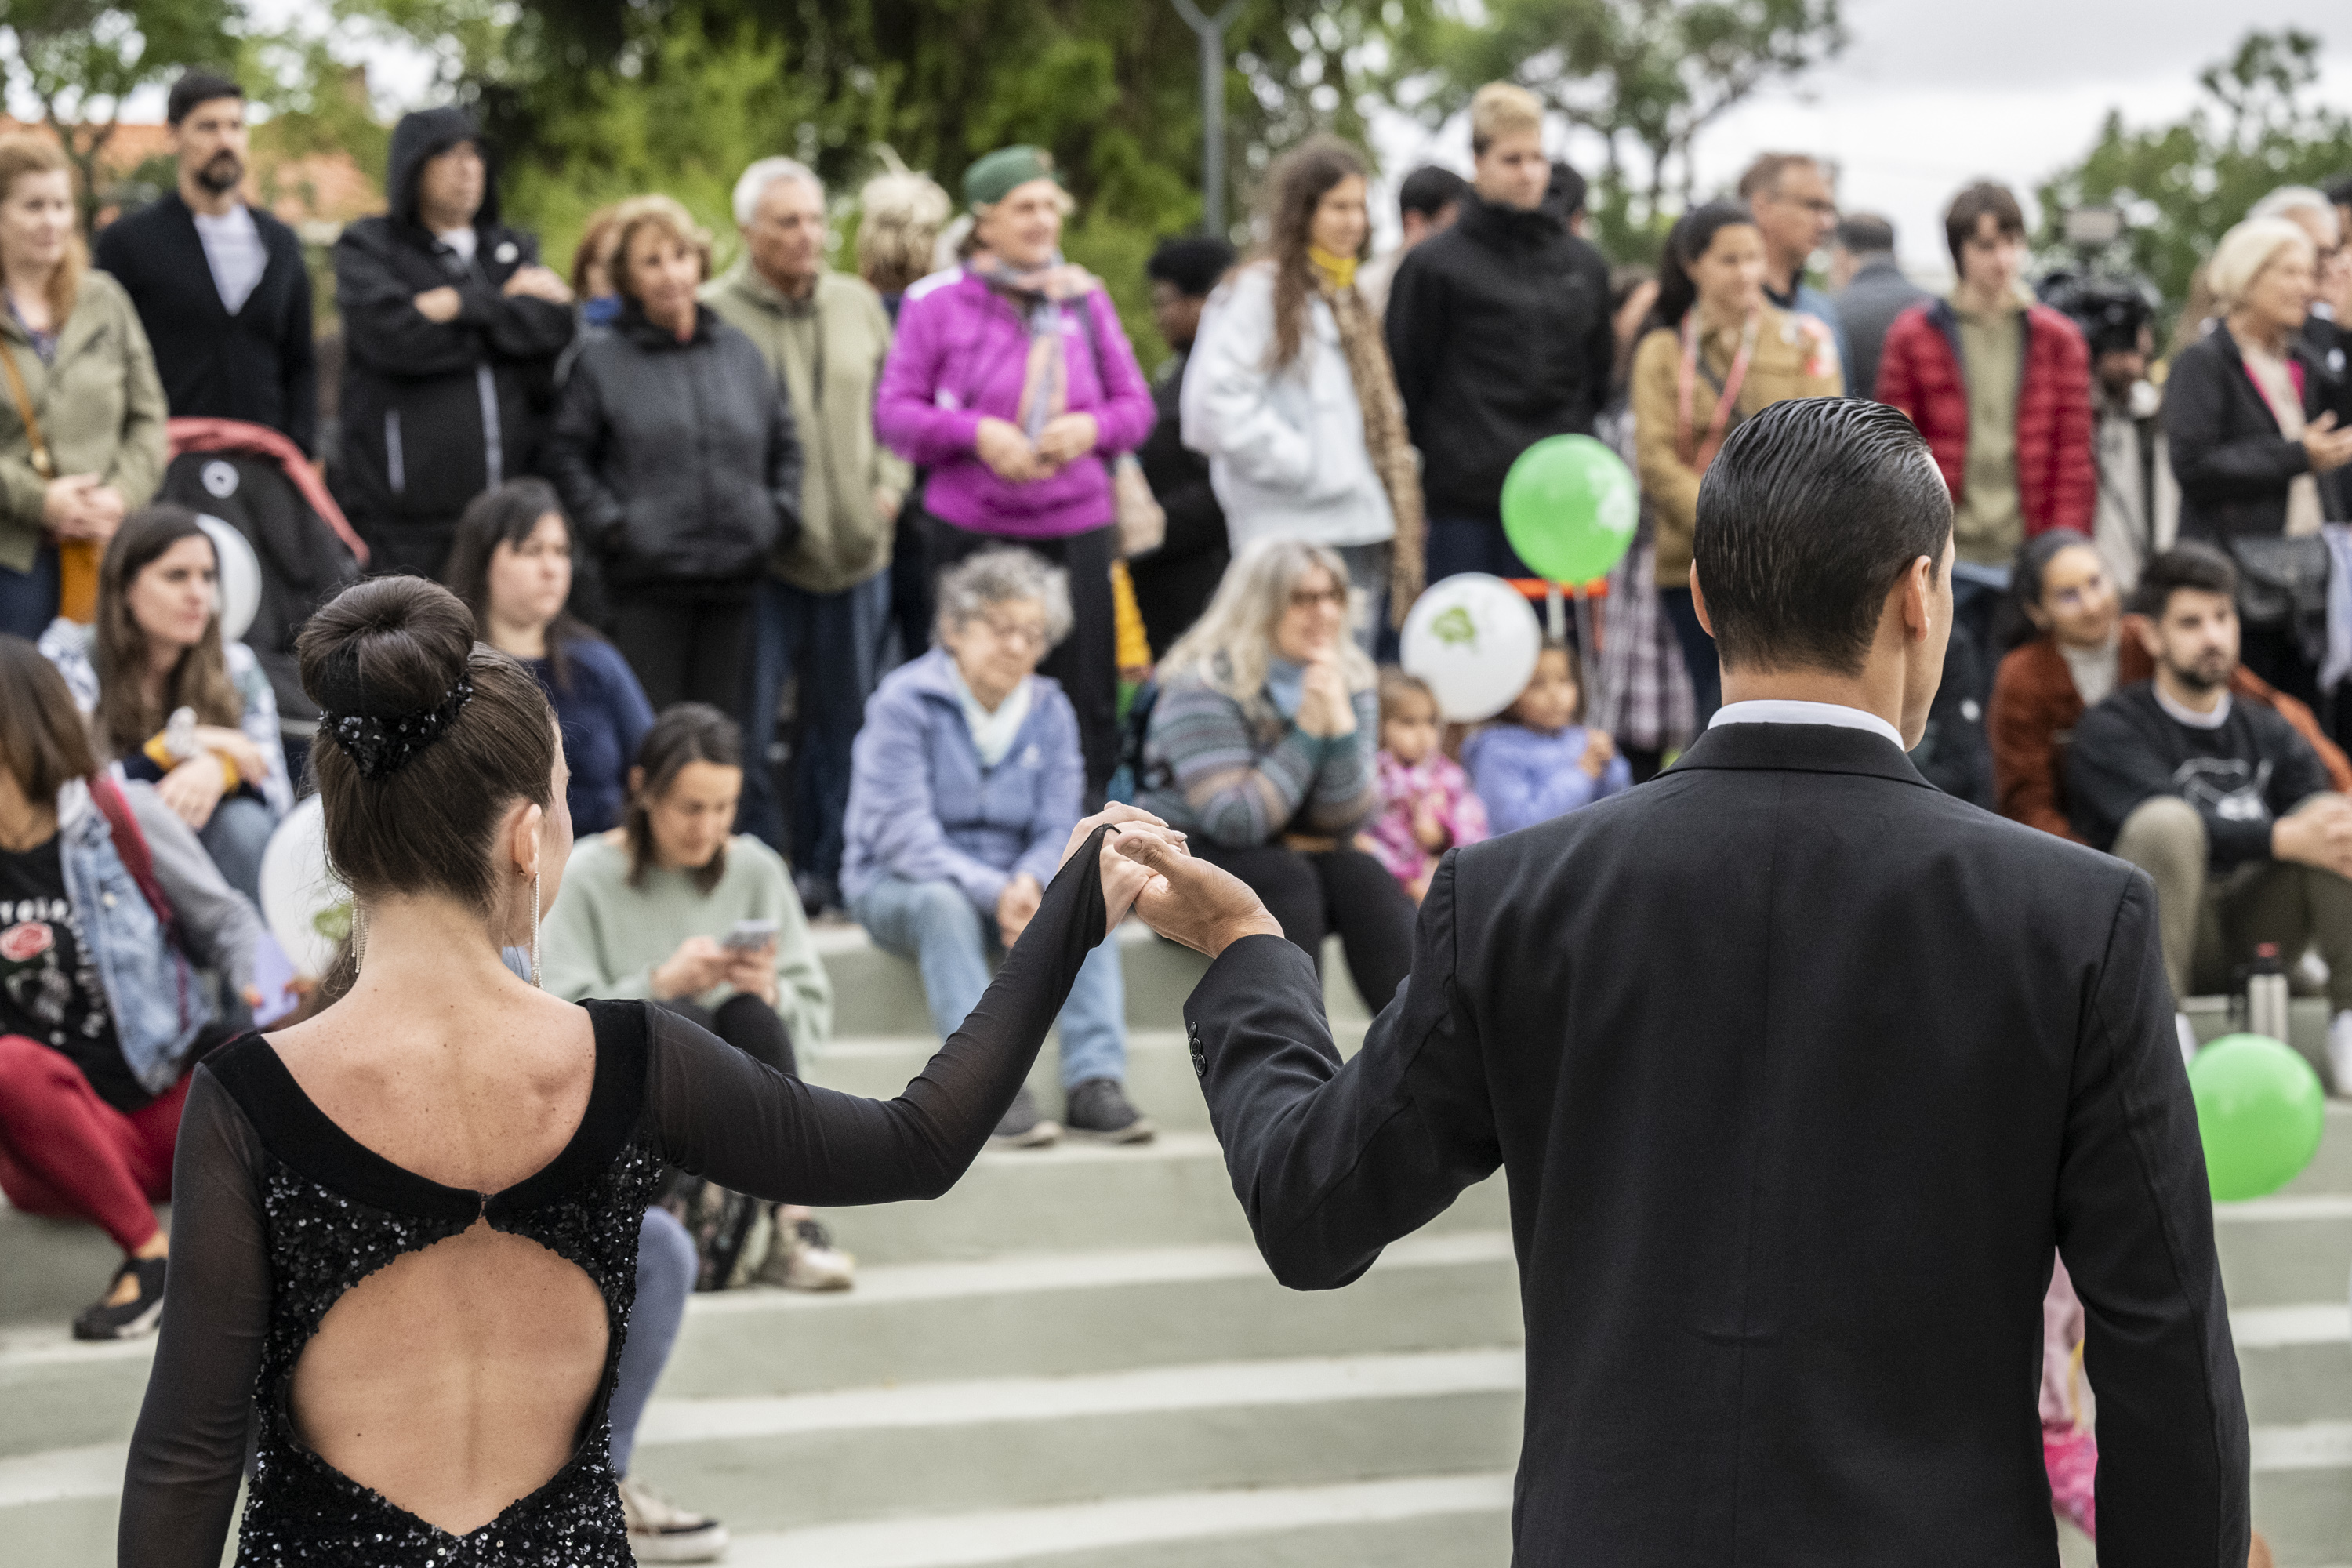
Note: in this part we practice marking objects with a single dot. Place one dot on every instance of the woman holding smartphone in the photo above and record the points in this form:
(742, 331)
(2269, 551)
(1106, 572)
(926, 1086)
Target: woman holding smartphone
(673, 906)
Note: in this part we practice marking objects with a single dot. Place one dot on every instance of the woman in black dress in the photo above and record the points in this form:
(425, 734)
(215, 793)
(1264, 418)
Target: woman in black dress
(408, 1228)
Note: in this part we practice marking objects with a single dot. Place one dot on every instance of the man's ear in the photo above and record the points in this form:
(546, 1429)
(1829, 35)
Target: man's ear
(1698, 601)
(1918, 590)
(2143, 628)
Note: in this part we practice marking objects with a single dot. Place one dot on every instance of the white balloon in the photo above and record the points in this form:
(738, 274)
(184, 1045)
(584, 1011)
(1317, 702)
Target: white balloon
(299, 894)
(1473, 638)
(240, 577)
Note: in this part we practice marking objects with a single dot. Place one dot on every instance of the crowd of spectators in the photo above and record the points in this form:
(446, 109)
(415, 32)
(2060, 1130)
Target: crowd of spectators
(900, 571)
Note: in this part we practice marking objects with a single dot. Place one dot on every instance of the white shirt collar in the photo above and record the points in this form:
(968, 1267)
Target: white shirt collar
(1781, 710)
(2190, 716)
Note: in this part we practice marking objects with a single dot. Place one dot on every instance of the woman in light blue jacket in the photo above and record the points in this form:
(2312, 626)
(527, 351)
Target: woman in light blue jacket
(1289, 394)
(964, 784)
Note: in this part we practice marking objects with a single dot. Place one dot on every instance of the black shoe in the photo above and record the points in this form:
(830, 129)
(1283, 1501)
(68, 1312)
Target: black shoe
(818, 892)
(1023, 1127)
(1098, 1108)
(135, 1318)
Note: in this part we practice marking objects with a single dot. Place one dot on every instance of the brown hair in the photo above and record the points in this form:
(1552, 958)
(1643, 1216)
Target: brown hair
(42, 743)
(1397, 687)
(1294, 187)
(509, 515)
(1763, 177)
(395, 649)
(125, 720)
(1566, 650)
(664, 213)
(24, 153)
(595, 249)
(1498, 110)
(1981, 200)
(686, 733)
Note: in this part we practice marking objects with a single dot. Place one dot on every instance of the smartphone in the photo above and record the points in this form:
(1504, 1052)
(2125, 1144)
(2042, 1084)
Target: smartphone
(749, 936)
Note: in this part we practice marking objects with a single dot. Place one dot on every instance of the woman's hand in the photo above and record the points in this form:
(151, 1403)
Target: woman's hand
(70, 508)
(1122, 878)
(1325, 707)
(1599, 751)
(192, 789)
(1017, 906)
(1066, 438)
(251, 764)
(2328, 448)
(700, 963)
(752, 970)
(1007, 452)
(1188, 900)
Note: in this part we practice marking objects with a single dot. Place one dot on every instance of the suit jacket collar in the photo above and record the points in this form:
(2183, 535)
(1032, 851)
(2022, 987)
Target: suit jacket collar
(1800, 748)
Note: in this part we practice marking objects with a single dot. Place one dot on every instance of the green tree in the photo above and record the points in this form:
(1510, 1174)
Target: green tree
(1646, 76)
(2180, 186)
(79, 59)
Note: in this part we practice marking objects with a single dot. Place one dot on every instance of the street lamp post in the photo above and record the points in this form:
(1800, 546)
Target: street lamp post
(1212, 32)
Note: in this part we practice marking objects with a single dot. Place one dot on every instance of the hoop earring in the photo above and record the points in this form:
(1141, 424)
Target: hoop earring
(534, 927)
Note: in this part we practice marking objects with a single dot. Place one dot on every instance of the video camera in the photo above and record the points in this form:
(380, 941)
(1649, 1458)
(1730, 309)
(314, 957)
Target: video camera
(2111, 306)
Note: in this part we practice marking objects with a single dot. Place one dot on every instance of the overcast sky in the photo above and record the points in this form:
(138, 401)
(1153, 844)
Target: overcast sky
(1931, 94)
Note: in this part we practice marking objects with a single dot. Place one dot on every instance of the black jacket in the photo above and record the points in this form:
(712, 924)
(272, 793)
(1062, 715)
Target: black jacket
(2241, 777)
(1500, 333)
(1174, 582)
(677, 460)
(1797, 1069)
(435, 413)
(2233, 465)
(257, 365)
(1866, 307)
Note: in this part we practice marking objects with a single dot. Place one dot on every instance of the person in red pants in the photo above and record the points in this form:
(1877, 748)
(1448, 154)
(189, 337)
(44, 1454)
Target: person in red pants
(109, 905)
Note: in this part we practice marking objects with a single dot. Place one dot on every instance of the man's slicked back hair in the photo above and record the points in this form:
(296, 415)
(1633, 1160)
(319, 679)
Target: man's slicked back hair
(1807, 518)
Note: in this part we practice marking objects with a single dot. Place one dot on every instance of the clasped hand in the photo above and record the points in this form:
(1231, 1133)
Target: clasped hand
(1013, 457)
(1147, 867)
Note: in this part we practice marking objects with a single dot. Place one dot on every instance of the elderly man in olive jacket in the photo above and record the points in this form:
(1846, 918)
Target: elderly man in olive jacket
(824, 605)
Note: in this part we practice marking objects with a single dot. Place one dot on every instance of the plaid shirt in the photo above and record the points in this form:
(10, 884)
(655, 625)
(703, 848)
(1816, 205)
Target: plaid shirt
(1641, 689)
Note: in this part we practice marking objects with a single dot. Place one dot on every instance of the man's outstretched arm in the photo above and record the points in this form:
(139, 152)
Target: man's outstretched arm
(1332, 1160)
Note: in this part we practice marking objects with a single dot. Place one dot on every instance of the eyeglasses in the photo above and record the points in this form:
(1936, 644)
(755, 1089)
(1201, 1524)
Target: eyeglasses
(1310, 598)
(1014, 632)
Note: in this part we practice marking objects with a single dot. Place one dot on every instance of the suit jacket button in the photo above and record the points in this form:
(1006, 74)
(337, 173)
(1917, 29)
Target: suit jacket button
(1200, 1057)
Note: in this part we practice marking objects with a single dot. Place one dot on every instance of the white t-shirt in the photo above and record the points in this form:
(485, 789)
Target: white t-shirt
(462, 241)
(233, 251)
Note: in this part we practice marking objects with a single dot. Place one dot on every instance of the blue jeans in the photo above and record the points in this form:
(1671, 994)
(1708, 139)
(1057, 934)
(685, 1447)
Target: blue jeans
(666, 1269)
(28, 600)
(235, 836)
(934, 924)
(834, 642)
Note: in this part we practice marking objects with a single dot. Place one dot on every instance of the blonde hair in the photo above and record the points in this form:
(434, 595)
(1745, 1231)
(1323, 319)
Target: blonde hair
(1230, 648)
(1500, 109)
(665, 214)
(901, 214)
(2246, 250)
(24, 153)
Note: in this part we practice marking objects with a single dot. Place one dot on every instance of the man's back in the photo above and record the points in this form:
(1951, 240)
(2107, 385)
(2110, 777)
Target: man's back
(1785, 1055)
(1866, 308)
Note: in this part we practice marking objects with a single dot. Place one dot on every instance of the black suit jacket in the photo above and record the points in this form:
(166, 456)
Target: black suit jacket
(1797, 1070)
(257, 365)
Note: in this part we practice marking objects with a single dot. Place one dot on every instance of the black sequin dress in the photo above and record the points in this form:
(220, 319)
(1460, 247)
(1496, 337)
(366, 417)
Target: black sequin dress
(277, 1212)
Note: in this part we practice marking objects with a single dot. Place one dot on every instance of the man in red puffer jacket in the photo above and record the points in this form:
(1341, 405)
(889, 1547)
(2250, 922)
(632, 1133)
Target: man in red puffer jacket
(1999, 385)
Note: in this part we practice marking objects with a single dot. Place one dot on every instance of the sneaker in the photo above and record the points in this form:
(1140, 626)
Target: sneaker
(803, 1257)
(2071, 1458)
(1098, 1108)
(661, 1531)
(2339, 1052)
(133, 1319)
(1023, 1127)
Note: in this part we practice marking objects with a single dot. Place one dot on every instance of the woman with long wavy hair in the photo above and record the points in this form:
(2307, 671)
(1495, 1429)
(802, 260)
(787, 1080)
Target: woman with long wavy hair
(1290, 393)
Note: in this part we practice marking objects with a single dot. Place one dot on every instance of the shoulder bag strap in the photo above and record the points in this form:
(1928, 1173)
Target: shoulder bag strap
(132, 846)
(43, 464)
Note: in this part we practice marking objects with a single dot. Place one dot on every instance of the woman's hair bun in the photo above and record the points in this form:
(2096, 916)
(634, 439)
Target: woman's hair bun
(391, 648)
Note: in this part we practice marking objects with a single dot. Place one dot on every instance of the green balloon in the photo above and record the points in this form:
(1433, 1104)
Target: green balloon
(1569, 509)
(2260, 1111)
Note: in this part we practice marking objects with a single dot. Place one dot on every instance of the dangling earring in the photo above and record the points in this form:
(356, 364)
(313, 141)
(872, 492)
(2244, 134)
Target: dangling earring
(534, 925)
(358, 937)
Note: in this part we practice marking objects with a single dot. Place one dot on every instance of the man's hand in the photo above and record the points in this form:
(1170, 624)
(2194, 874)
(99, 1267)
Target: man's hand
(192, 789)
(1599, 751)
(1066, 438)
(2318, 833)
(1016, 905)
(1188, 900)
(536, 283)
(1122, 878)
(700, 963)
(1325, 707)
(440, 306)
(1007, 452)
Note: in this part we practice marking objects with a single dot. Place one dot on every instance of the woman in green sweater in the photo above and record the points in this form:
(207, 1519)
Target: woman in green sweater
(672, 906)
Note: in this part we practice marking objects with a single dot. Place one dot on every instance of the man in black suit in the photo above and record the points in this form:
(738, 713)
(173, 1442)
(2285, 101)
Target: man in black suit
(219, 284)
(1797, 1070)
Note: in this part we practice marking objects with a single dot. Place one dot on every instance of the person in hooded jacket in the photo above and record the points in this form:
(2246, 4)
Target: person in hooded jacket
(451, 331)
(676, 457)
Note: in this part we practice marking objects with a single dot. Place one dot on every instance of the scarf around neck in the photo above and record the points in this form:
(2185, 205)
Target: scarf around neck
(1039, 293)
(1386, 441)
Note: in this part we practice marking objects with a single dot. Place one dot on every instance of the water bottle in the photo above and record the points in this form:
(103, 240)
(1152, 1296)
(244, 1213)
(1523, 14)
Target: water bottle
(2266, 993)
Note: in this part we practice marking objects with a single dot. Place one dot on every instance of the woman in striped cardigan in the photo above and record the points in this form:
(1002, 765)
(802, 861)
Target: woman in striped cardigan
(1260, 747)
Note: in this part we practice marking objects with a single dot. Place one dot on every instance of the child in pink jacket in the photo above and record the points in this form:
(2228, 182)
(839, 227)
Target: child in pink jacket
(1427, 805)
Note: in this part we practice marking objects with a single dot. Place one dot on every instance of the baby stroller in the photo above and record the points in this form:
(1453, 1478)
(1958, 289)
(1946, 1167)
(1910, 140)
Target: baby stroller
(255, 480)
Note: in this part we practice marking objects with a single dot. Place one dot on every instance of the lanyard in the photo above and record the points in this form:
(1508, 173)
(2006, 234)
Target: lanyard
(1703, 453)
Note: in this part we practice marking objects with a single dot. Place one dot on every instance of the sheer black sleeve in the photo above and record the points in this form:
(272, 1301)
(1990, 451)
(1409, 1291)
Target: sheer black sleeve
(187, 1452)
(719, 1114)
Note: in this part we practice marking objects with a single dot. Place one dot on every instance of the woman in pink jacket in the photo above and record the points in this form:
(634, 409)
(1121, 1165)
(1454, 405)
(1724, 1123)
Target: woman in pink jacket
(1012, 382)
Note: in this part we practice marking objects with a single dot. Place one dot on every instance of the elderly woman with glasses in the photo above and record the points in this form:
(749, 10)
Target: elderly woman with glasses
(1261, 746)
(964, 784)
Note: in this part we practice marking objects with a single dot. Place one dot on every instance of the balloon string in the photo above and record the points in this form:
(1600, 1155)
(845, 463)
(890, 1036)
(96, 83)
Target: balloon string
(1555, 614)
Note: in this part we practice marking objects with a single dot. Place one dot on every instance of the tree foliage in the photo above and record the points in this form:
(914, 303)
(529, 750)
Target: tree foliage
(1644, 77)
(2181, 186)
(79, 59)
